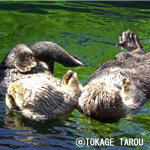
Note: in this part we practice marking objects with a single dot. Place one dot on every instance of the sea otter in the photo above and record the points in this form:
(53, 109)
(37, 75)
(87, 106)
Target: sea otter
(37, 97)
(110, 95)
(119, 86)
(37, 58)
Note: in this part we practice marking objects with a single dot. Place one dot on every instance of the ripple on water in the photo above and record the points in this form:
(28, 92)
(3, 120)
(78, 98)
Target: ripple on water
(88, 30)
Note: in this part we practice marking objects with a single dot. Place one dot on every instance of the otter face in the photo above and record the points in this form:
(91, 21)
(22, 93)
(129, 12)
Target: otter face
(126, 87)
(131, 97)
(10, 102)
(14, 97)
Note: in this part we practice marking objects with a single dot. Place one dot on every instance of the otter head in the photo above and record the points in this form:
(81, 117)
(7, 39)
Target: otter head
(14, 97)
(70, 83)
(131, 96)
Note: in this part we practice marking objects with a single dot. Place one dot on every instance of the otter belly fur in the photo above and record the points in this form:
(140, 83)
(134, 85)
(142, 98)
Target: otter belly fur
(110, 95)
(37, 97)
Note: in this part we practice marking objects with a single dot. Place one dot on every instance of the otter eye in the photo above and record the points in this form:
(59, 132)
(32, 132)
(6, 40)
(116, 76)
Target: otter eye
(11, 97)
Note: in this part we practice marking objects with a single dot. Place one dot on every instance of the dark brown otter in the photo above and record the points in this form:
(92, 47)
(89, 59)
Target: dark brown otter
(110, 95)
(37, 58)
(120, 86)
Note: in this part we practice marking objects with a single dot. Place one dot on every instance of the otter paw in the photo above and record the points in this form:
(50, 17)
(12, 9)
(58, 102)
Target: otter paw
(129, 41)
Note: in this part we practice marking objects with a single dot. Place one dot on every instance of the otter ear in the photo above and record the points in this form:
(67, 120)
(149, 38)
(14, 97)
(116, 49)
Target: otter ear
(24, 59)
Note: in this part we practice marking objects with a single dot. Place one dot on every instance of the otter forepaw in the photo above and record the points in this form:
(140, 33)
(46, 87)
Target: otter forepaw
(129, 41)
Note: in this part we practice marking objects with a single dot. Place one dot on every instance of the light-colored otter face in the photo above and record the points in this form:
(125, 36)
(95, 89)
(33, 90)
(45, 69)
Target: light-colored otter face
(131, 96)
(13, 96)
(126, 90)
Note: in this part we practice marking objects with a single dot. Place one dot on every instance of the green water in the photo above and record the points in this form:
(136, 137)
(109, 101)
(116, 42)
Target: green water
(88, 30)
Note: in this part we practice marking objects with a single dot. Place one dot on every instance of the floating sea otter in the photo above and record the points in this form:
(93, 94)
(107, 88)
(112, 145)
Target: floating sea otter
(120, 86)
(37, 97)
(37, 58)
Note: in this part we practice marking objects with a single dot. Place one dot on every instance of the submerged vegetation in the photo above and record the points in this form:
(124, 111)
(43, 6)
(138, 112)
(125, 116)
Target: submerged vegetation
(90, 31)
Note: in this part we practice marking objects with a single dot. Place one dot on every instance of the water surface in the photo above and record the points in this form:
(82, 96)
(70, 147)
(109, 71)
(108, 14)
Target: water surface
(88, 30)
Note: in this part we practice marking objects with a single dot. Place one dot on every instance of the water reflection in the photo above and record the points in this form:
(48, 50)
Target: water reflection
(52, 132)
(88, 30)
(46, 133)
